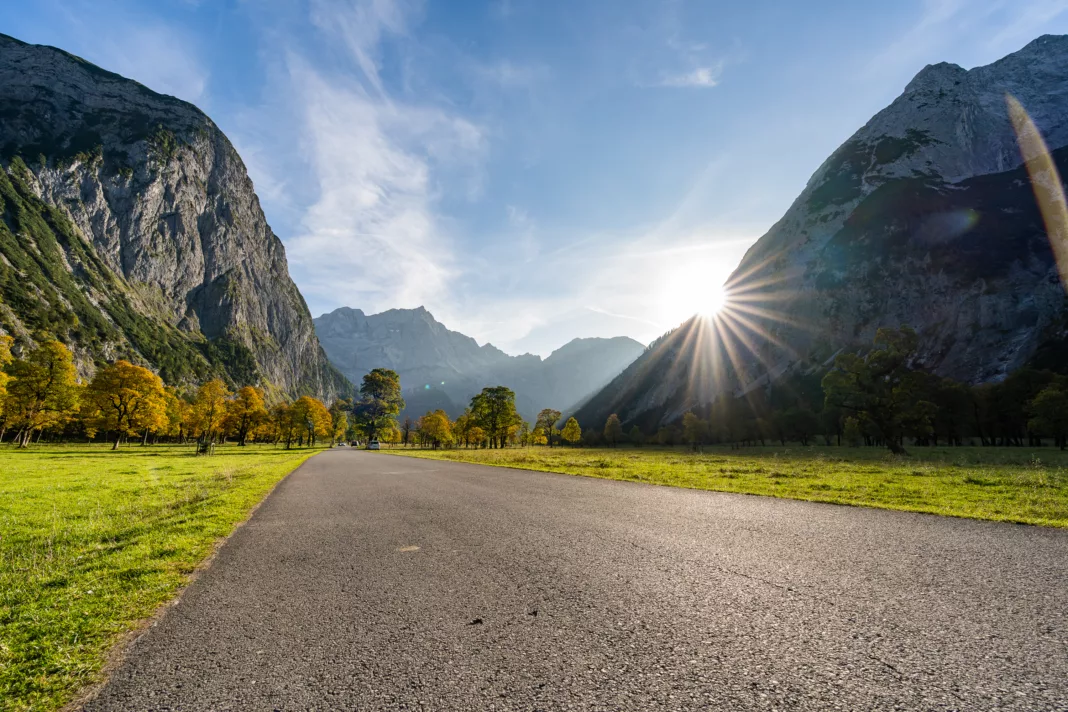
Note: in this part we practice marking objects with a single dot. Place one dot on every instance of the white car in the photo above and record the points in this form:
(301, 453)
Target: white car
(373, 445)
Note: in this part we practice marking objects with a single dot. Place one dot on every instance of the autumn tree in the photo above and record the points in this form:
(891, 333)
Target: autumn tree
(245, 412)
(436, 428)
(125, 399)
(209, 409)
(283, 423)
(406, 430)
(380, 401)
(178, 411)
(311, 418)
(494, 411)
(547, 420)
(572, 432)
(5, 359)
(43, 390)
(613, 430)
(339, 419)
(878, 386)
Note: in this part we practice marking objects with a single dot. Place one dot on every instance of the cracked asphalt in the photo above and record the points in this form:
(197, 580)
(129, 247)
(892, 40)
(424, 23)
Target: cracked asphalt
(373, 582)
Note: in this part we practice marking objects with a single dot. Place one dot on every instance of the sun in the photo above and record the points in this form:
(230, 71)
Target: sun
(712, 300)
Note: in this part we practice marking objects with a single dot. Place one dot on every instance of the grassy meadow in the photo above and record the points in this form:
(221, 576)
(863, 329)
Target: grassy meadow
(1003, 484)
(92, 542)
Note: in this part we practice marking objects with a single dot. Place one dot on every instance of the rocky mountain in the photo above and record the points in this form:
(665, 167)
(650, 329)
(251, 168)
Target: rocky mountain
(131, 229)
(925, 216)
(440, 368)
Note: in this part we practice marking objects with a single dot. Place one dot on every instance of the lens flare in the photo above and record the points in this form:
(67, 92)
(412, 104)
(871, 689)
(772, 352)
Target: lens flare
(1045, 181)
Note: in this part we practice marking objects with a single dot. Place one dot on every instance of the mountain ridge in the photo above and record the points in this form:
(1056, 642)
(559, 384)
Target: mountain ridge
(925, 216)
(131, 229)
(437, 360)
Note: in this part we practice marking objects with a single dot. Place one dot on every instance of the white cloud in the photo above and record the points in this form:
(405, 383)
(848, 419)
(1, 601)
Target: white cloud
(699, 77)
(372, 238)
(361, 24)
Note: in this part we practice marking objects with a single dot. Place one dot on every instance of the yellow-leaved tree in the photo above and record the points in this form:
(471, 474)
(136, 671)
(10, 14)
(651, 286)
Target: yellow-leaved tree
(209, 407)
(311, 418)
(436, 428)
(282, 423)
(339, 415)
(125, 399)
(179, 412)
(5, 359)
(571, 433)
(245, 413)
(43, 390)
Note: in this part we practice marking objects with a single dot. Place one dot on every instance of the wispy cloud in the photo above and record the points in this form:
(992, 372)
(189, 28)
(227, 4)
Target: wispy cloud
(368, 232)
(699, 77)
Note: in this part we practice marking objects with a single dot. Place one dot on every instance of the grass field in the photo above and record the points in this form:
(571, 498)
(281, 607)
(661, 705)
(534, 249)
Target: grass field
(93, 541)
(1003, 484)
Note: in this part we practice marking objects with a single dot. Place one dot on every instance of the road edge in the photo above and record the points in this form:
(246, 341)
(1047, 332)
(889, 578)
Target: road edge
(118, 652)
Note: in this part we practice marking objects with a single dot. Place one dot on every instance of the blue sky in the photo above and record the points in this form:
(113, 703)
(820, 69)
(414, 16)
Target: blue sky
(530, 170)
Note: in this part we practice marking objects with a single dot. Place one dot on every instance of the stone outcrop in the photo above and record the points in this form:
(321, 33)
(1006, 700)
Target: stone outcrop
(157, 226)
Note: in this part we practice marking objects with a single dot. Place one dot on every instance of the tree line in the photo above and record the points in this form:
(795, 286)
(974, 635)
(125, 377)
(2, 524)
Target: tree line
(879, 399)
(40, 394)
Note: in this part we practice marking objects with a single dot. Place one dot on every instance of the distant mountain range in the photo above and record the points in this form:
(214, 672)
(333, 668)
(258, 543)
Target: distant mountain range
(440, 368)
(925, 216)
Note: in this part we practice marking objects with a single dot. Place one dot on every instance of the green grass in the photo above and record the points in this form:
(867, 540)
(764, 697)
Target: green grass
(1012, 485)
(92, 542)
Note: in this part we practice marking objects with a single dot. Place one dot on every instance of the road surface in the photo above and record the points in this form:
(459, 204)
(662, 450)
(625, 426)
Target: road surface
(375, 582)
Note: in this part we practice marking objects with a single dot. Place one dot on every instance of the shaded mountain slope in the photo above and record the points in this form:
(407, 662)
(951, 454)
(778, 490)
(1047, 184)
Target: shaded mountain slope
(925, 216)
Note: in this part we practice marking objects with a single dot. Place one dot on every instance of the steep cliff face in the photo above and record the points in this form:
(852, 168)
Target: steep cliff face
(925, 216)
(131, 228)
(440, 368)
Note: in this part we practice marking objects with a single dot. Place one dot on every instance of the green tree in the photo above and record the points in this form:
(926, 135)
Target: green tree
(694, 429)
(613, 430)
(493, 410)
(878, 386)
(43, 390)
(546, 421)
(380, 401)
(1049, 413)
(571, 433)
(852, 432)
(636, 436)
(125, 399)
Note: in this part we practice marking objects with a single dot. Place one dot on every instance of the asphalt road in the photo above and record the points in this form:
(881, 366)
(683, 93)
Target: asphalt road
(374, 582)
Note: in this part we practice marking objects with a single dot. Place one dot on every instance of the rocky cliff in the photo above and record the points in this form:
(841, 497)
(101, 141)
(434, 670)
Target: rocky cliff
(925, 216)
(440, 368)
(131, 228)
